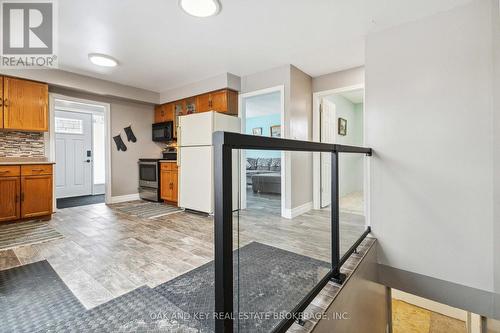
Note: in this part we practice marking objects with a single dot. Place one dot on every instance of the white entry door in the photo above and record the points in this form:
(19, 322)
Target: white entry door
(328, 129)
(73, 154)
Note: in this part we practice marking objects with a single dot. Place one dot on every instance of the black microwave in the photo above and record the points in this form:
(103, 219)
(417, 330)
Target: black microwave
(163, 131)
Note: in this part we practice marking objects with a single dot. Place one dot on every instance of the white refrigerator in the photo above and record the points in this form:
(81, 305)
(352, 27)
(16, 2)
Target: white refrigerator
(196, 159)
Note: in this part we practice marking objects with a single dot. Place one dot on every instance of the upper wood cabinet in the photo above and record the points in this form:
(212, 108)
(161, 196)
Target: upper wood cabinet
(25, 105)
(224, 100)
(203, 103)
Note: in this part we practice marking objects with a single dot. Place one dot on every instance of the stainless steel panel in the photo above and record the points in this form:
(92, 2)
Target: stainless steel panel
(148, 193)
(361, 305)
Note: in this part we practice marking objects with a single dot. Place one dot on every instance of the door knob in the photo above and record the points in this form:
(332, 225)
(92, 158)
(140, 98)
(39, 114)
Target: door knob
(88, 161)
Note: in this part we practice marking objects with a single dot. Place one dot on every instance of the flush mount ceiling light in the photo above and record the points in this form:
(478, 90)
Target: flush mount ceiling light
(102, 60)
(200, 8)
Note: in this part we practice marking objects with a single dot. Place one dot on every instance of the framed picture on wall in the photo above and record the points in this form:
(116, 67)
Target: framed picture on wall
(342, 126)
(276, 131)
(257, 131)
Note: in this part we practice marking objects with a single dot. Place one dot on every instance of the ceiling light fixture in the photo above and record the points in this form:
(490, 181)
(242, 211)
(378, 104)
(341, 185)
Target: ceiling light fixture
(102, 60)
(200, 8)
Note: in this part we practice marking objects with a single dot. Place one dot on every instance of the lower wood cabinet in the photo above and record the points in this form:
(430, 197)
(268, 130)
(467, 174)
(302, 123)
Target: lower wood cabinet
(26, 192)
(36, 196)
(10, 192)
(169, 187)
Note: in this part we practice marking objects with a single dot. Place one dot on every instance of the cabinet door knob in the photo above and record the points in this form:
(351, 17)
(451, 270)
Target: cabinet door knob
(6, 102)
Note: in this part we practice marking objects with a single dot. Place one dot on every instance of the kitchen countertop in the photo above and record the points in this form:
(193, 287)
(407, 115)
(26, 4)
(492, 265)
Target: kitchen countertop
(23, 160)
(168, 161)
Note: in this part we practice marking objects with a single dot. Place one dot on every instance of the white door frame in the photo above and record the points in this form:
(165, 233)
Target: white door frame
(285, 183)
(107, 138)
(317, 96)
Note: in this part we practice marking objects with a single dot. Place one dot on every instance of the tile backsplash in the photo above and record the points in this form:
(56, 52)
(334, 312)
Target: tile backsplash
(21, 144)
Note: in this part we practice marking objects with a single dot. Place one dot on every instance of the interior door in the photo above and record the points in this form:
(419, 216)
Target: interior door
(73, 154)
(327, 131)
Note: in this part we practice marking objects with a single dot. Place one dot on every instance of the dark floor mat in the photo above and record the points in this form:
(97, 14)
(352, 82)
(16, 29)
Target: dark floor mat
(141, 310)
(79, 201)
(270, 281)
(32, 297)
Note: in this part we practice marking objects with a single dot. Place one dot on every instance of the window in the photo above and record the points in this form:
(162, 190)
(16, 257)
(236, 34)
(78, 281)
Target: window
(68, 126)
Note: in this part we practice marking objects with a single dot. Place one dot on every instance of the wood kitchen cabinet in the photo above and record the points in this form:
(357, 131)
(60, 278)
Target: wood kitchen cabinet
(224, 100)
(164, 113)
(26, 191)
(169, 182)
(25, 105)
(36, 196)
(10, 192)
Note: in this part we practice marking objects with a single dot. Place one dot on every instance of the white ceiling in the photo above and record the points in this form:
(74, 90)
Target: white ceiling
(159, 47)
(263, 105)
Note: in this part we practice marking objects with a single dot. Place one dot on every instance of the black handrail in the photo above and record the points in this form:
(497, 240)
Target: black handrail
(224, 143)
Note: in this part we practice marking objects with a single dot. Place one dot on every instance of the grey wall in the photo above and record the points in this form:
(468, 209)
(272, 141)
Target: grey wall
(279, 76)
(67, 80)
(346, 78)
(124, 169)
(226, 80)
(299, 123)
(495, 13)
(429, 119)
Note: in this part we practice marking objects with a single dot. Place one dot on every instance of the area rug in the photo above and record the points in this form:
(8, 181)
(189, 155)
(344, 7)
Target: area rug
(26, 233)
(148, 210)
(33, 297)
(267, 281)
(141, 310)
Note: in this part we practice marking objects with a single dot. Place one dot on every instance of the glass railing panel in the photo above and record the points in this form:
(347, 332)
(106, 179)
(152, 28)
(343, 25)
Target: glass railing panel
(351, 199)
(282, 246)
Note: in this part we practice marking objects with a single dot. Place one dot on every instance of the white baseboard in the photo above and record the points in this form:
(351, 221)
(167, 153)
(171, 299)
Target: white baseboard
(98, 189)
(296, 211)
(124, 198)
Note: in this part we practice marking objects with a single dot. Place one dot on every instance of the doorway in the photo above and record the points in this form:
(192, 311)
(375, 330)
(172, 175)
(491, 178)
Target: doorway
(79, 145)
(340, 120)
(262, 171)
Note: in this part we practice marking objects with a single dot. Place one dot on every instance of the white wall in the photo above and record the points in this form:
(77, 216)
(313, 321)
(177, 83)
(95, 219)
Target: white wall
(428, 118)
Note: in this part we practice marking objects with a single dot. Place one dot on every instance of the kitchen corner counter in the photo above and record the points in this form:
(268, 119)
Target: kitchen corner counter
(23, 161)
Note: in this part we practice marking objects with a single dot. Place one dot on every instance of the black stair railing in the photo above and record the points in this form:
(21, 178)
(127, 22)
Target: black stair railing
(224, 143)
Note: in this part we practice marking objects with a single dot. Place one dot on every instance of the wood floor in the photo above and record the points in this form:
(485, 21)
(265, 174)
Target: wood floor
(106, 253)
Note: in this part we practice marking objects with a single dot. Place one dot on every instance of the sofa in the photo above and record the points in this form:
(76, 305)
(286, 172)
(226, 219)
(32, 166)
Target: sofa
(264, 174)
